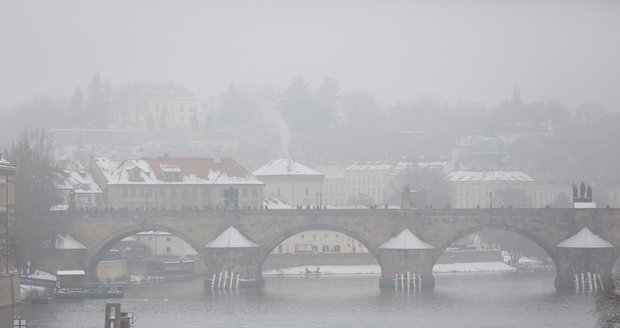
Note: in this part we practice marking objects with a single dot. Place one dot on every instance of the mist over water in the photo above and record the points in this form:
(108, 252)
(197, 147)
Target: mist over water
(463, 300)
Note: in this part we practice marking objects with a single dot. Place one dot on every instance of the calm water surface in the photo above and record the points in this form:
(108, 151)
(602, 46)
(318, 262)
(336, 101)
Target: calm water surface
(459, 300)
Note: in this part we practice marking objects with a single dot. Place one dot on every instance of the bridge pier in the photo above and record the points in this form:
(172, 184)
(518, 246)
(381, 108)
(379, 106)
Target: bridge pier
(572, 261)
(242, 261)
(396, 262)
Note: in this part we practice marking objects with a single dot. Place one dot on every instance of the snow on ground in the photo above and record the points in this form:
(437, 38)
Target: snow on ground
(472, 267)
(376, 270)
(38, 274)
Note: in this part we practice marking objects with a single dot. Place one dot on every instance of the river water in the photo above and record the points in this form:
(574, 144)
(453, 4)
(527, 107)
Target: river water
(515, 299)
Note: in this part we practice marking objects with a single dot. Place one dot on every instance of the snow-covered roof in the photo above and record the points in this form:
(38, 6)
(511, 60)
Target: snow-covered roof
(196, 171)
(488, 176)
(155, 90)
(4, 164)
(285, 166)
(406, 240)
(231, 238)
(70, 273)
(68, 242)
(81, 182)
(368, 166)
(273, 202)
(59, 208)
(585, 239)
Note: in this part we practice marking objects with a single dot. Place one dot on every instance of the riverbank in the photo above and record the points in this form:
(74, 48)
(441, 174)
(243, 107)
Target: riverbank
(374, 269)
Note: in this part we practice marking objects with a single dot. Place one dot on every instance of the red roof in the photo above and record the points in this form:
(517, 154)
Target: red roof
(197, 166)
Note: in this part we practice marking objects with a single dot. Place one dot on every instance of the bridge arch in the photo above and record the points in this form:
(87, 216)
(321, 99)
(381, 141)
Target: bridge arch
(286, 234)
(461, 233)
(99, 251)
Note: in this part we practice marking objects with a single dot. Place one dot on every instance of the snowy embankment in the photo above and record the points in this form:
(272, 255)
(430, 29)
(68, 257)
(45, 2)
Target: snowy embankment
(376, 270)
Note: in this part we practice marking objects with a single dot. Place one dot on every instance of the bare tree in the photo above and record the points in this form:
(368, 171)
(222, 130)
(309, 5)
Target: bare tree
(35, 192)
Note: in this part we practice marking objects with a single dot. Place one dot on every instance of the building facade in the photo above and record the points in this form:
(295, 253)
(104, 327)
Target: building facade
(7, 216)
(154, 106)
(485, 189)
(9, 279)
(319, 241)
(291, 181)
(165, 245)
(365, 183)
(166, 183)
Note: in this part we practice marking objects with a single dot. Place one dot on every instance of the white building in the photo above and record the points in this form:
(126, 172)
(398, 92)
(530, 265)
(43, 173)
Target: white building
(166, 245)
(365, 183)
(484, 189)
(291, 181)
(153, 106)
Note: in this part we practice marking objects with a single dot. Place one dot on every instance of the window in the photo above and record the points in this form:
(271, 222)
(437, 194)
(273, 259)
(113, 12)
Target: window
(279, 248)
(325, 249)
(307, 191)
(278, 191)
(168, 238)
(303, 248)
(336, 248)
(301, 236)
(168, 250)
(162, 193)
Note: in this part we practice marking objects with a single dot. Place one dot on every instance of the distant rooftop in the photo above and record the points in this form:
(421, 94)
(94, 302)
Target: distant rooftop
(191, 171)
(150, 89)
(370, 166)
(4, 164)
(284, 166)
(488, 176)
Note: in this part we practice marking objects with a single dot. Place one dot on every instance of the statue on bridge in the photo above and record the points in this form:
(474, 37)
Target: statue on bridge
(583, 194)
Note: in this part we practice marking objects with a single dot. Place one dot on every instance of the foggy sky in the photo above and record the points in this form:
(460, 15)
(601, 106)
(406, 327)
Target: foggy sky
(456, 50)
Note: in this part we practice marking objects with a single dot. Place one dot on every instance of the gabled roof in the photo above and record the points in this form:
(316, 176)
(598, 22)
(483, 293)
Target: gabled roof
(231, 238)
(406, 240)
(585, 239)
(79, 182)
(284, 167)
(65, 242)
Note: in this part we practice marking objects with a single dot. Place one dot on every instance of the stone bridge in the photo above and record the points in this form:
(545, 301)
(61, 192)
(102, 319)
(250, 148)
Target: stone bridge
(99, 231)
